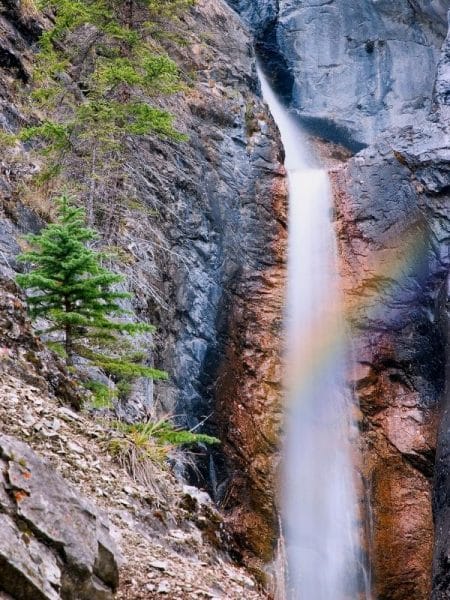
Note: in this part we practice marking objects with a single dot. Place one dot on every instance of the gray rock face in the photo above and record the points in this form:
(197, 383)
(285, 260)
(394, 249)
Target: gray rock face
(17, 32)
(391, 208)
(442, 89)
(256, 14)
(215, 202)
(42, 580)
(53, 543)
(436, 11)
(351, 62)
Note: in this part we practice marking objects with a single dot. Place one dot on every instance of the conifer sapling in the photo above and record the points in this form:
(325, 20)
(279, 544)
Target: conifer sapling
(69, 288)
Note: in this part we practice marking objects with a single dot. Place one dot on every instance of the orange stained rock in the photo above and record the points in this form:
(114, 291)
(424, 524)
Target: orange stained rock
(20, 495)
(398, 434)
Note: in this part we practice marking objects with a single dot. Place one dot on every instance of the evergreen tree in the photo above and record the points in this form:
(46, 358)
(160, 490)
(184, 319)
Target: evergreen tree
(73, 291)
(97, 72)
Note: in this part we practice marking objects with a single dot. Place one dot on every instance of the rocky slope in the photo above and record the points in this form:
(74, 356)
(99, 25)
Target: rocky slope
(203, 253)
(75, 525)
(384, 83)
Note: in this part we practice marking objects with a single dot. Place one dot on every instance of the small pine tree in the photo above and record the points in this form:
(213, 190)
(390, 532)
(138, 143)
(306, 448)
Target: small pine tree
(73, 291)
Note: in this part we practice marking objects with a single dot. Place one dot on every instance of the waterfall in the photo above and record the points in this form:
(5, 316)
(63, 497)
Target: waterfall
(319, 501)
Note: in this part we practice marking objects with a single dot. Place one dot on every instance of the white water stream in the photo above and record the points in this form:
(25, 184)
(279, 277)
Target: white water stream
(319, 500)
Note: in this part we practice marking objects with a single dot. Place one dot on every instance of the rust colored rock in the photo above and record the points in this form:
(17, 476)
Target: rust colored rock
(398, 443)
(249, 391)
(393, 274)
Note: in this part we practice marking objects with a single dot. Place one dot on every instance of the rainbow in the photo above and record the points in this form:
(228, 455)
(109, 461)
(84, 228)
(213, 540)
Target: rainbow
(384, 272)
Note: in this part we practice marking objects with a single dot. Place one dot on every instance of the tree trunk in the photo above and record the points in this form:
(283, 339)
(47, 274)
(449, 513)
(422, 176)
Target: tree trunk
(68, 345)
(129, 12)
(90, 198)
(68, 342)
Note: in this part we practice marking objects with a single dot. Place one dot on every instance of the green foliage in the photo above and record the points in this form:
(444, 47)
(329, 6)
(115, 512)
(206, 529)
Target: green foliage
(150, 73)
(58, 348)
(95, 73)
(123, 367)
(180, 437)
(165, 432)
(55, 136)
(7, 140)
(167, 8)
(141, 445)
(103, 396)
(69, 287)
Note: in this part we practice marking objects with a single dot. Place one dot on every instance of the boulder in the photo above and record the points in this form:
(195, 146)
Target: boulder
(53, 542)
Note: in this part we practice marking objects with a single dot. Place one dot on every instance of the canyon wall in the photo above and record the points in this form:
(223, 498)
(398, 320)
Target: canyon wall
(393, 223)
(203, 252)
(374, 77)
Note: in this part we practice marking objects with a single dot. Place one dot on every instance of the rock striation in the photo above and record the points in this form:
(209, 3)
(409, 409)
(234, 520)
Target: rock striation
(249, 383)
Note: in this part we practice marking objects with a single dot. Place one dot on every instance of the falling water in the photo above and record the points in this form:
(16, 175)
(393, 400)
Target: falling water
(319, 496)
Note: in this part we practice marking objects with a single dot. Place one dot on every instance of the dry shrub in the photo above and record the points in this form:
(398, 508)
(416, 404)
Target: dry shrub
(29, 8)
(40, 203)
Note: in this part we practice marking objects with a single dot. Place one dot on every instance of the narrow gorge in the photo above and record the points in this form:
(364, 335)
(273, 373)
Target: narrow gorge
(271, 181)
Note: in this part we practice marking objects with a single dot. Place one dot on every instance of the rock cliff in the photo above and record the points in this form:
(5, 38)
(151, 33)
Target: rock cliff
(347, 66)
(393, 223)
(204, 252)
(393, 229)
(374, 77)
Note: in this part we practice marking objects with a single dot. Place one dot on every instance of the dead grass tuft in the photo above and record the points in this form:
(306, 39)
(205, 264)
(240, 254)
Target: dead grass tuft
(29, 8)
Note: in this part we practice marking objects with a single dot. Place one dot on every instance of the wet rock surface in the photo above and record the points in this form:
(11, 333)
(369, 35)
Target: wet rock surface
(376, 74)
(393, 223)
(249, 390)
